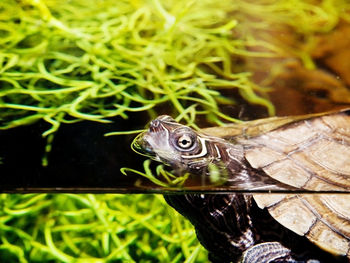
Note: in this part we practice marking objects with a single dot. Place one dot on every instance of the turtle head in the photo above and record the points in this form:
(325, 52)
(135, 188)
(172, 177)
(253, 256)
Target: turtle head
(175, 144)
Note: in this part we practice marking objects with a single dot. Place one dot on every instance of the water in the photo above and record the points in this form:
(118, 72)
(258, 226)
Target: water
(310, 75)
(65, 60)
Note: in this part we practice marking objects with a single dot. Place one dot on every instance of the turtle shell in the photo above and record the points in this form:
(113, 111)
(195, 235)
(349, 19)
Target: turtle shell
(310, 152)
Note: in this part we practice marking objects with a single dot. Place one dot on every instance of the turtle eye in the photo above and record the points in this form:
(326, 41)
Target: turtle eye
(185, 141)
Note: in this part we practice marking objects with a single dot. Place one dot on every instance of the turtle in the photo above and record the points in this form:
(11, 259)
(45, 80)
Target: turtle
(307, 153)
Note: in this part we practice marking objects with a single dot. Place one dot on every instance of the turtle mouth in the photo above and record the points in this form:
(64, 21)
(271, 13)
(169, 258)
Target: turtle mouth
(155, 142)
(141, 146)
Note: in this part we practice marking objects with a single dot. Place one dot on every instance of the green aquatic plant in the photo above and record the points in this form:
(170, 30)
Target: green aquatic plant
(66, 61)
(162, 178)
(95, 229)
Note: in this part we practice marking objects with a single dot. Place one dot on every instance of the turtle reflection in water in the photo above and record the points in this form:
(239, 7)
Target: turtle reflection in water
(309, 152)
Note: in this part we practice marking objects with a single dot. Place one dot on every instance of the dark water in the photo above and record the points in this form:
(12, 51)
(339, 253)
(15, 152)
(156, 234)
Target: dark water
(81, 157)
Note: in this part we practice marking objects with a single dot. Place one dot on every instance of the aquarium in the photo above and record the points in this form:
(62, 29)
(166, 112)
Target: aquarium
(79, 80)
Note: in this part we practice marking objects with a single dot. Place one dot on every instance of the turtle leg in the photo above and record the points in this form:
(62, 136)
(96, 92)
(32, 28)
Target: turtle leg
(222, 222)
(269, 252)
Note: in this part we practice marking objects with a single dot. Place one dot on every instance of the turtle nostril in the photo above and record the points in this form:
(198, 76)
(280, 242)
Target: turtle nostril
(154, 125)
